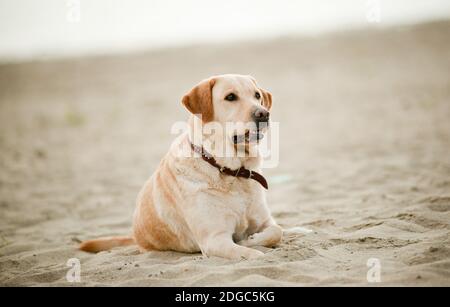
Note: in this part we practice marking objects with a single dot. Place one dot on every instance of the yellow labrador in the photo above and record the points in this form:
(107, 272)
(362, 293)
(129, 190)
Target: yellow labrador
(209, 201)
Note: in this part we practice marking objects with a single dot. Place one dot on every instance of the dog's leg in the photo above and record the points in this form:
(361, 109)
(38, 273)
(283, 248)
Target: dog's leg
(223, 246)
(269, 237)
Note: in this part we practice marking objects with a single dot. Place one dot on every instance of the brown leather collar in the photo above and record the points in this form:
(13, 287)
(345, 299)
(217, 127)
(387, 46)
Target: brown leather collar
(240, 172)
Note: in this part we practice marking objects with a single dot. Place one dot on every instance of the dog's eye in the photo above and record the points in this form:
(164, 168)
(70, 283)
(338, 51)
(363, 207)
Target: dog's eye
(257, 95)
(231, 97)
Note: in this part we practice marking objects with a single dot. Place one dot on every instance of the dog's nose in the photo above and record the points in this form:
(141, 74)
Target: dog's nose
(261, 115)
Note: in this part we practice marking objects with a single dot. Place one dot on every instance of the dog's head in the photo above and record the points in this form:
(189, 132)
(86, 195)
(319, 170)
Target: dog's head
(234, 101)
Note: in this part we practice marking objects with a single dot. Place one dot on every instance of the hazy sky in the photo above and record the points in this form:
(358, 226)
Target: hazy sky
(41, 28)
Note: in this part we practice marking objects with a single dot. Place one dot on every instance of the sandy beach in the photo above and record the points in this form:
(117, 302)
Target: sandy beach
(364, 160)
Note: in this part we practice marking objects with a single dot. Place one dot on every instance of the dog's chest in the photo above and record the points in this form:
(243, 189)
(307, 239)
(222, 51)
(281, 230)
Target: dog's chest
(243, 200)
(246, 198)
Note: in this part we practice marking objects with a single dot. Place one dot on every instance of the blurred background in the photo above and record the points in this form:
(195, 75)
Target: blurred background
(53, 28)
(89, 90)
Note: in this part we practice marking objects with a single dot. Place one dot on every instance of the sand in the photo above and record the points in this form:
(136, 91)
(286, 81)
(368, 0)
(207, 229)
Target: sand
(364, 160)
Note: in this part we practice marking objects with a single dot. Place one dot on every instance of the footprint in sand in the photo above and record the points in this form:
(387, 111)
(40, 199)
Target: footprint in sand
(432, 254)
(420, 220)
(439, 204)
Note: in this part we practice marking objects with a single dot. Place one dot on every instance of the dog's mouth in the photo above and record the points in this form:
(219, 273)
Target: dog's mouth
(250, 136)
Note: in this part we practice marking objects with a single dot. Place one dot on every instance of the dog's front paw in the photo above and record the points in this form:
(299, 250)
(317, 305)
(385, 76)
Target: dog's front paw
(252, 254)
(245, 242)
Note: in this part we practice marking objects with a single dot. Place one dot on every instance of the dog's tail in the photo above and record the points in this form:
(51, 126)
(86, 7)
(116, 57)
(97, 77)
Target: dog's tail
(103, 244)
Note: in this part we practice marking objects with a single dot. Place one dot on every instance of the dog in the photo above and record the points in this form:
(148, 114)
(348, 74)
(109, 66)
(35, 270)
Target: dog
(208, 201)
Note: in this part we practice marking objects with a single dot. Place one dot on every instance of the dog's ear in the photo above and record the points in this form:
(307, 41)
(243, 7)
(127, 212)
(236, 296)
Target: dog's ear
(267, 99)
(199, 100)
(267, 96)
